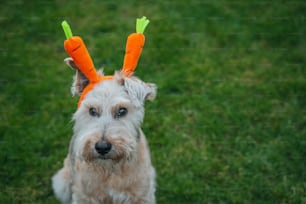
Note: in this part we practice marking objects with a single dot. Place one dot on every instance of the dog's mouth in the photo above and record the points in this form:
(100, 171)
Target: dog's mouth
(104, 157)
(94, 156)
(112, 155)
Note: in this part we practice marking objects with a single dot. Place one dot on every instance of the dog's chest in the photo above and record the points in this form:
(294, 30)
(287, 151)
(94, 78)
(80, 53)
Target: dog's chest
(105, 185)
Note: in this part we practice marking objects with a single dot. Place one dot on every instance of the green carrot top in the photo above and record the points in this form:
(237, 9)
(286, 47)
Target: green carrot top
(67, 29)
(141, 24)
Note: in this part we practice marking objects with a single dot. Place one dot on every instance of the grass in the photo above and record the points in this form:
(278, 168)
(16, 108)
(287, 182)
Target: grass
(228, 125)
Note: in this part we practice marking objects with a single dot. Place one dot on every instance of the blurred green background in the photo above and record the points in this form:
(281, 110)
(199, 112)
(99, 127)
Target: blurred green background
(229, 122)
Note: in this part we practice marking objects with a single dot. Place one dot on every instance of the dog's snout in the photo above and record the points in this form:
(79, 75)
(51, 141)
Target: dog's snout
(103, 147)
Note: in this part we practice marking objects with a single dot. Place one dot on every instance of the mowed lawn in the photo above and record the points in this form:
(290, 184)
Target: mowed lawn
(229, 122)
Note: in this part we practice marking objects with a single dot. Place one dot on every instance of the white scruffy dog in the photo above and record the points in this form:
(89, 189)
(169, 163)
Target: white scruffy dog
(108, 159)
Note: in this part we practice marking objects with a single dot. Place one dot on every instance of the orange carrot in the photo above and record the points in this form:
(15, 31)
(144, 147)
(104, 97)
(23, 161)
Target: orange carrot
(134, 45)
(76, 48)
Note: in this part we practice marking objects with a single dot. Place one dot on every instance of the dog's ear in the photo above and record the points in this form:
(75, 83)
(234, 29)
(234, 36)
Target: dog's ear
(137, 89)
(79, 80)
(151, 91)
(140, 90)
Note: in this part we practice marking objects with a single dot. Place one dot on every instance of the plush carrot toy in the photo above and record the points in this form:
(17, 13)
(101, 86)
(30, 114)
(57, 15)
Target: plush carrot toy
(76, 48)
(134, 45)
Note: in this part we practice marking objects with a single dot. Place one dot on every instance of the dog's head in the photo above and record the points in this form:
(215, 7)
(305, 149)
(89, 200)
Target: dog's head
(107, 123)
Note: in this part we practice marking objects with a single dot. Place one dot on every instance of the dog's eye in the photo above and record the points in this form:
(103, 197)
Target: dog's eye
(94, 112)
(121, 112)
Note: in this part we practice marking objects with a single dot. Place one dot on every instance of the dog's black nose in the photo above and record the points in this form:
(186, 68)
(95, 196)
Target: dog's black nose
(103, 147)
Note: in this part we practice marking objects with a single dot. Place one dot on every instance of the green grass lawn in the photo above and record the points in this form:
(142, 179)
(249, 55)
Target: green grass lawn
(229, 122)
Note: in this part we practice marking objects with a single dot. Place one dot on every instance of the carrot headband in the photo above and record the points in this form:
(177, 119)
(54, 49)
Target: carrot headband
(77, 50)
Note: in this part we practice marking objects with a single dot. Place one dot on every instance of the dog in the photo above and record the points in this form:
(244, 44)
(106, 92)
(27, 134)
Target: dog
(109, 158)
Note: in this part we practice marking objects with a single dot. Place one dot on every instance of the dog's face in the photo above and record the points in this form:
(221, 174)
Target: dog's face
(107, 124)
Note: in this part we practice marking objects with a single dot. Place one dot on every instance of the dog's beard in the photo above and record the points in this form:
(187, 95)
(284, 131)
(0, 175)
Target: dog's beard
(123, 148)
